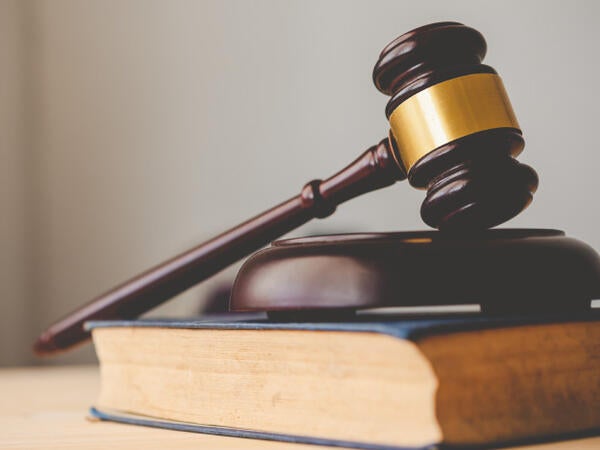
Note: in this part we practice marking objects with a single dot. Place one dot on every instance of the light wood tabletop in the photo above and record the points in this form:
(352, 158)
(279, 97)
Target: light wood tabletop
(46, 408)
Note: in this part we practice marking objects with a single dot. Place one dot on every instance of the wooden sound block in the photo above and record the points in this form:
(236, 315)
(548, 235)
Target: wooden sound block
(503, 270)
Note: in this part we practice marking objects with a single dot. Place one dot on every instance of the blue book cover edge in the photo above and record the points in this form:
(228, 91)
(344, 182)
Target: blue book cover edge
(400, 326)
(242, 433)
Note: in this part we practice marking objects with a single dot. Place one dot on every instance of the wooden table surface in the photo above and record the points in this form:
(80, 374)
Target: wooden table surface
(45, 408)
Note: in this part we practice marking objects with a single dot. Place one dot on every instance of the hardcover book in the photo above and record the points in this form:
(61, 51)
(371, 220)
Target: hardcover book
(365, 383)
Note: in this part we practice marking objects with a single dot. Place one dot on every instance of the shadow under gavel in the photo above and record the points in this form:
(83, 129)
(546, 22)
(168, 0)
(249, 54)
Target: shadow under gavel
(453, 133)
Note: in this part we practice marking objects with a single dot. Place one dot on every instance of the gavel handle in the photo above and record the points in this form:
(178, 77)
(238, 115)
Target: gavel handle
(374, 169)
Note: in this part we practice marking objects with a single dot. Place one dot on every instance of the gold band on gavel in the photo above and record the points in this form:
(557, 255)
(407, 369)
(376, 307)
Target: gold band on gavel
(447, 111)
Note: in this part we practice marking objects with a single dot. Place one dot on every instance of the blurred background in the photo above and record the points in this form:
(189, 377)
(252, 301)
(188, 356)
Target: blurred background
(132, 130)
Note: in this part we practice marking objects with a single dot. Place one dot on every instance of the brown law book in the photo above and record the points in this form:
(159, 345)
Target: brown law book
(366, 383)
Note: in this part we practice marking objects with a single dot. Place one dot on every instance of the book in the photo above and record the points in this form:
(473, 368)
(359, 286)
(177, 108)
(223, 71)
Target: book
(373, 382)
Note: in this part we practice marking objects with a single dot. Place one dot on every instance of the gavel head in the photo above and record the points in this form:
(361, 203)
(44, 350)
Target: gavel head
(453, 130)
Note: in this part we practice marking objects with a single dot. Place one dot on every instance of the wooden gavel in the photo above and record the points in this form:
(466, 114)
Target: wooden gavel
(453, 133)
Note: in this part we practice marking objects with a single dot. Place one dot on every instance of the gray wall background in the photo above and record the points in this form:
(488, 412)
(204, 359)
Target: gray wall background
(131, 130)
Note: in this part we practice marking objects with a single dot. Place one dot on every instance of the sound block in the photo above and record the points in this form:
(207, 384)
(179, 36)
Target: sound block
(503, 270)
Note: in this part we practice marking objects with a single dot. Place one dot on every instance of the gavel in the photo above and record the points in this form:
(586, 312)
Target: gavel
(453, 133)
